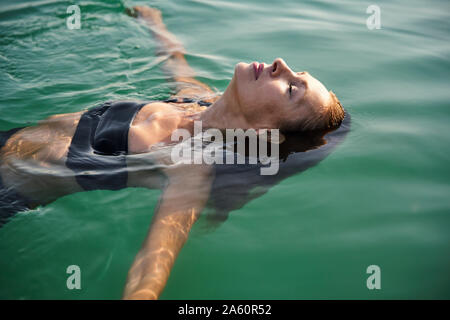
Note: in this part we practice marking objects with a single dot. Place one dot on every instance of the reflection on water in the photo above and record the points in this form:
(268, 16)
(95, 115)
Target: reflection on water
(236, 185)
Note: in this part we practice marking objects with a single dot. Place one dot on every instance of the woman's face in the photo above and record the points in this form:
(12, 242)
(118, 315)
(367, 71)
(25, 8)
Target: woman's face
(271, 95)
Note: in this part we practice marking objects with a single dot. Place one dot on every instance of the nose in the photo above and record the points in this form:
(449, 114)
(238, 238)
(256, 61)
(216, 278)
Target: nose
(279, 66)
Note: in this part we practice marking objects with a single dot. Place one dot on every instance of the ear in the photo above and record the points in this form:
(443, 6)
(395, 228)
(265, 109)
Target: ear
(260, 133)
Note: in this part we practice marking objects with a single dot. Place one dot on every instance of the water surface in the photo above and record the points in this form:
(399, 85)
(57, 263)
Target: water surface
(382, 197)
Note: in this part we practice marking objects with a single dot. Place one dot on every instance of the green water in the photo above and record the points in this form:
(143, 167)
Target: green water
(382, 197)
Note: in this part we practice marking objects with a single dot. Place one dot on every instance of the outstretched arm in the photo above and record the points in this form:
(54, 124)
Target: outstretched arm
(176, 63)
(180, 206)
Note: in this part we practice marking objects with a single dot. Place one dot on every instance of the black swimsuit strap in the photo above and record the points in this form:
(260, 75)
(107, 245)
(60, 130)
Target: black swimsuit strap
(189, 100)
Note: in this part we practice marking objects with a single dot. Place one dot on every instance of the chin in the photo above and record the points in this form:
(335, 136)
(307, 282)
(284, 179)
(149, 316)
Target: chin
(241, 66)
(241, 72)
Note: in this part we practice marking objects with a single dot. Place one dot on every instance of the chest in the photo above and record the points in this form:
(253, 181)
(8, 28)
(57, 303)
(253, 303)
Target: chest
(153, 125)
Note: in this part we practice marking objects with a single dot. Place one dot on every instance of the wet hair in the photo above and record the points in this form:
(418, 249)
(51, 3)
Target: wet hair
(334, 113)
(330, 118)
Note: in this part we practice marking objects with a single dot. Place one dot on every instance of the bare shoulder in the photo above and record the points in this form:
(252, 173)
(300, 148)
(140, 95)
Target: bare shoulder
(152, 110)
(151, 125)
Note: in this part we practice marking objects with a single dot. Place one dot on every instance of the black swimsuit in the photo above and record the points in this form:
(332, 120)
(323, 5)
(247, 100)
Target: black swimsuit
(99, 146)
(97, 153)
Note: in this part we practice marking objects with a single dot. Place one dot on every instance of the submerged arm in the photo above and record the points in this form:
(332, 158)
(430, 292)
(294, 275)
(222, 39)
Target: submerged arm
(176, 63)
(180, 206)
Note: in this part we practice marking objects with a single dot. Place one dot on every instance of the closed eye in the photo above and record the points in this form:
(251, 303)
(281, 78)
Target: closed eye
(290, 89)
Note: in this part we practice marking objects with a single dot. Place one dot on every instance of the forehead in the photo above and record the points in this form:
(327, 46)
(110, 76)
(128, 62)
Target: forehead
(316, 88)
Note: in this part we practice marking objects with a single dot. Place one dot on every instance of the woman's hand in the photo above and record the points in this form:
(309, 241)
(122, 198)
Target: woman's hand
(149, 14)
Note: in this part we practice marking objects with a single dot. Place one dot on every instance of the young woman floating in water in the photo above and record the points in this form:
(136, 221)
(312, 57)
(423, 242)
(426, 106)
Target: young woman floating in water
(124, 144)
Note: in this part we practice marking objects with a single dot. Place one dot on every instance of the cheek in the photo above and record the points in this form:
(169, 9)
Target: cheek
(267, 93)
(264, 98)
(258, 101)
(266, 111)
(271, 100)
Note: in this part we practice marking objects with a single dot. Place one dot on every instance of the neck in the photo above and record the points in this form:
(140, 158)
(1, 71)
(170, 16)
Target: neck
(222, 115)
(225, 113)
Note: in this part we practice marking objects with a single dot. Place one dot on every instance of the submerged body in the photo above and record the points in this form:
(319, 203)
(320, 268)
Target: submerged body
(89, 150)
(34, 159)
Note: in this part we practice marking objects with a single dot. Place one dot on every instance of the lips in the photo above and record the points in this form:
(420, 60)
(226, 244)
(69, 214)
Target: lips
(258, 68)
